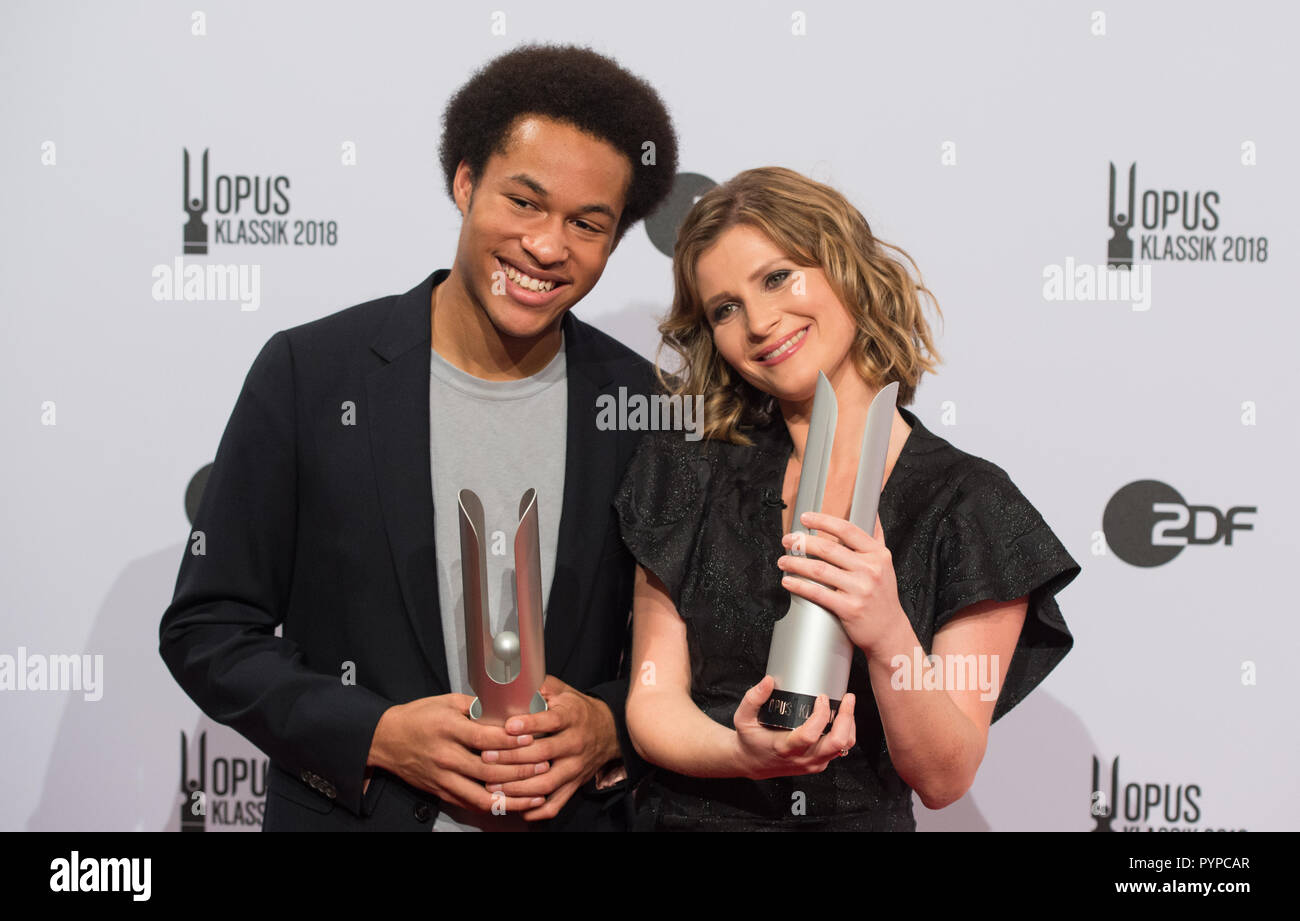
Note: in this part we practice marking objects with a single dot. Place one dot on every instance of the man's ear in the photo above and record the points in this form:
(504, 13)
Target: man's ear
(462, 188)
(618, 237)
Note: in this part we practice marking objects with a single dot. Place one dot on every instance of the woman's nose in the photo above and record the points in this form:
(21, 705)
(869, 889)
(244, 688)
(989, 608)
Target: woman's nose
(761, 318)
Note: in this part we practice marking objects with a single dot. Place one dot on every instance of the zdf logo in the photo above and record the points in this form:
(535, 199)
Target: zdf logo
(1147, 523)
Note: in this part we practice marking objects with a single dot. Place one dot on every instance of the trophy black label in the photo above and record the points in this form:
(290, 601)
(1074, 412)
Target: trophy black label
(787, 710)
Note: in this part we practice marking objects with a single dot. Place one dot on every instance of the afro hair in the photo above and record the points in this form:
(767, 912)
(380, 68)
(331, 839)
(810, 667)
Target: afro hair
(573, 85)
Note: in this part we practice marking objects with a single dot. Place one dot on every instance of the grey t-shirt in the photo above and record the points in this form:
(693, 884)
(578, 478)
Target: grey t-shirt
(498, 438)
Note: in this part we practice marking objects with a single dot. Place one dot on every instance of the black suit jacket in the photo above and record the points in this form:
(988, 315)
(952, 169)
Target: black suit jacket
(327, 529)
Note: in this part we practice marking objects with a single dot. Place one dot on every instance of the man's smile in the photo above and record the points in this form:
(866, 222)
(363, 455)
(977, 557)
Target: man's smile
(531, 290)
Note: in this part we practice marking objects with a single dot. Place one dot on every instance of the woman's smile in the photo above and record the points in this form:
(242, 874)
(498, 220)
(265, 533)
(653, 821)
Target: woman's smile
(783, 349)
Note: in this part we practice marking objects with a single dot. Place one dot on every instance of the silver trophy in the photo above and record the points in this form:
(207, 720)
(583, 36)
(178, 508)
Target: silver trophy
(505, 670)
(810, 653)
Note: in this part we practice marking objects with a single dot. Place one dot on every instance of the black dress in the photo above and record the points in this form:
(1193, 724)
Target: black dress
(705, 517)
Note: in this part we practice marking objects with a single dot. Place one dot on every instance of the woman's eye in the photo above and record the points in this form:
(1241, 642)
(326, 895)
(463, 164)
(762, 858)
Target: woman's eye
(778, 277)
(722, 311)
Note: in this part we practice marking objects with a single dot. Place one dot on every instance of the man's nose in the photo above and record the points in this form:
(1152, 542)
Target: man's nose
(546, 244)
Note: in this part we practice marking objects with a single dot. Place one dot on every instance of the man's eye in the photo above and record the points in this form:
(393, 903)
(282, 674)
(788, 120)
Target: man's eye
(590, 228)
(520, 202)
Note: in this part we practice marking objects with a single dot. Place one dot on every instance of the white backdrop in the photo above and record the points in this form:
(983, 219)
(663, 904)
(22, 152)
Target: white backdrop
(977, 136)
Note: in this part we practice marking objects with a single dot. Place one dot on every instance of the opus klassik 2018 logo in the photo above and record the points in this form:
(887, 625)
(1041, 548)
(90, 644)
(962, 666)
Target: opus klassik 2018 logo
(243, 209)
(225, 790)
(1172, 225)
(1144, 806)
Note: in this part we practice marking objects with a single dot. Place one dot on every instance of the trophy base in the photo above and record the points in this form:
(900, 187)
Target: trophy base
(788, 710)
(537, 705)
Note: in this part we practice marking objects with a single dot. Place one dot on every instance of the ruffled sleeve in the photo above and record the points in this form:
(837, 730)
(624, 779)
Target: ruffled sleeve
(993, 545)
(660, 506)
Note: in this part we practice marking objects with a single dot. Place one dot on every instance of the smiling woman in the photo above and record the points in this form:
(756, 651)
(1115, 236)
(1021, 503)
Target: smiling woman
(808, 248)
(778, 279)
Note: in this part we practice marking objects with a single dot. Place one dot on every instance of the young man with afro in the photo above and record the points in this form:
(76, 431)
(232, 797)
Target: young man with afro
(331, 508)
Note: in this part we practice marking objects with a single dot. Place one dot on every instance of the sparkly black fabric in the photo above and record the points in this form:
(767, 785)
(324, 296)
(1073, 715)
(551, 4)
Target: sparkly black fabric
(959, 531)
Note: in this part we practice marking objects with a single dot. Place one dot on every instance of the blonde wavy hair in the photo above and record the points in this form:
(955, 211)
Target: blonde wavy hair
(814, 225)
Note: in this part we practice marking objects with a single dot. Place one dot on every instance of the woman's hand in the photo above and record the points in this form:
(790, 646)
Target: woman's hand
(767, 752)
(856, 575)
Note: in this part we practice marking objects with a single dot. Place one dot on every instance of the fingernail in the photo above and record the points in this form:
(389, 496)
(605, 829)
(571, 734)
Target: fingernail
(537, 800)
(515, 725)
(491, 757)
(542, 768)
(780, 562)
(524, 740)
(494, 788)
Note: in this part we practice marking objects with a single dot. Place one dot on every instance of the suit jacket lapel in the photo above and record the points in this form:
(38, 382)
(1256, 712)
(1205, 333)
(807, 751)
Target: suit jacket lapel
(399, 440)
(589, 467)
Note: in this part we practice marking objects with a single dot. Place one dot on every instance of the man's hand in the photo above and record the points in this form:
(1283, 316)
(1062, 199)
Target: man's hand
(431, 743)
(580, 740)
